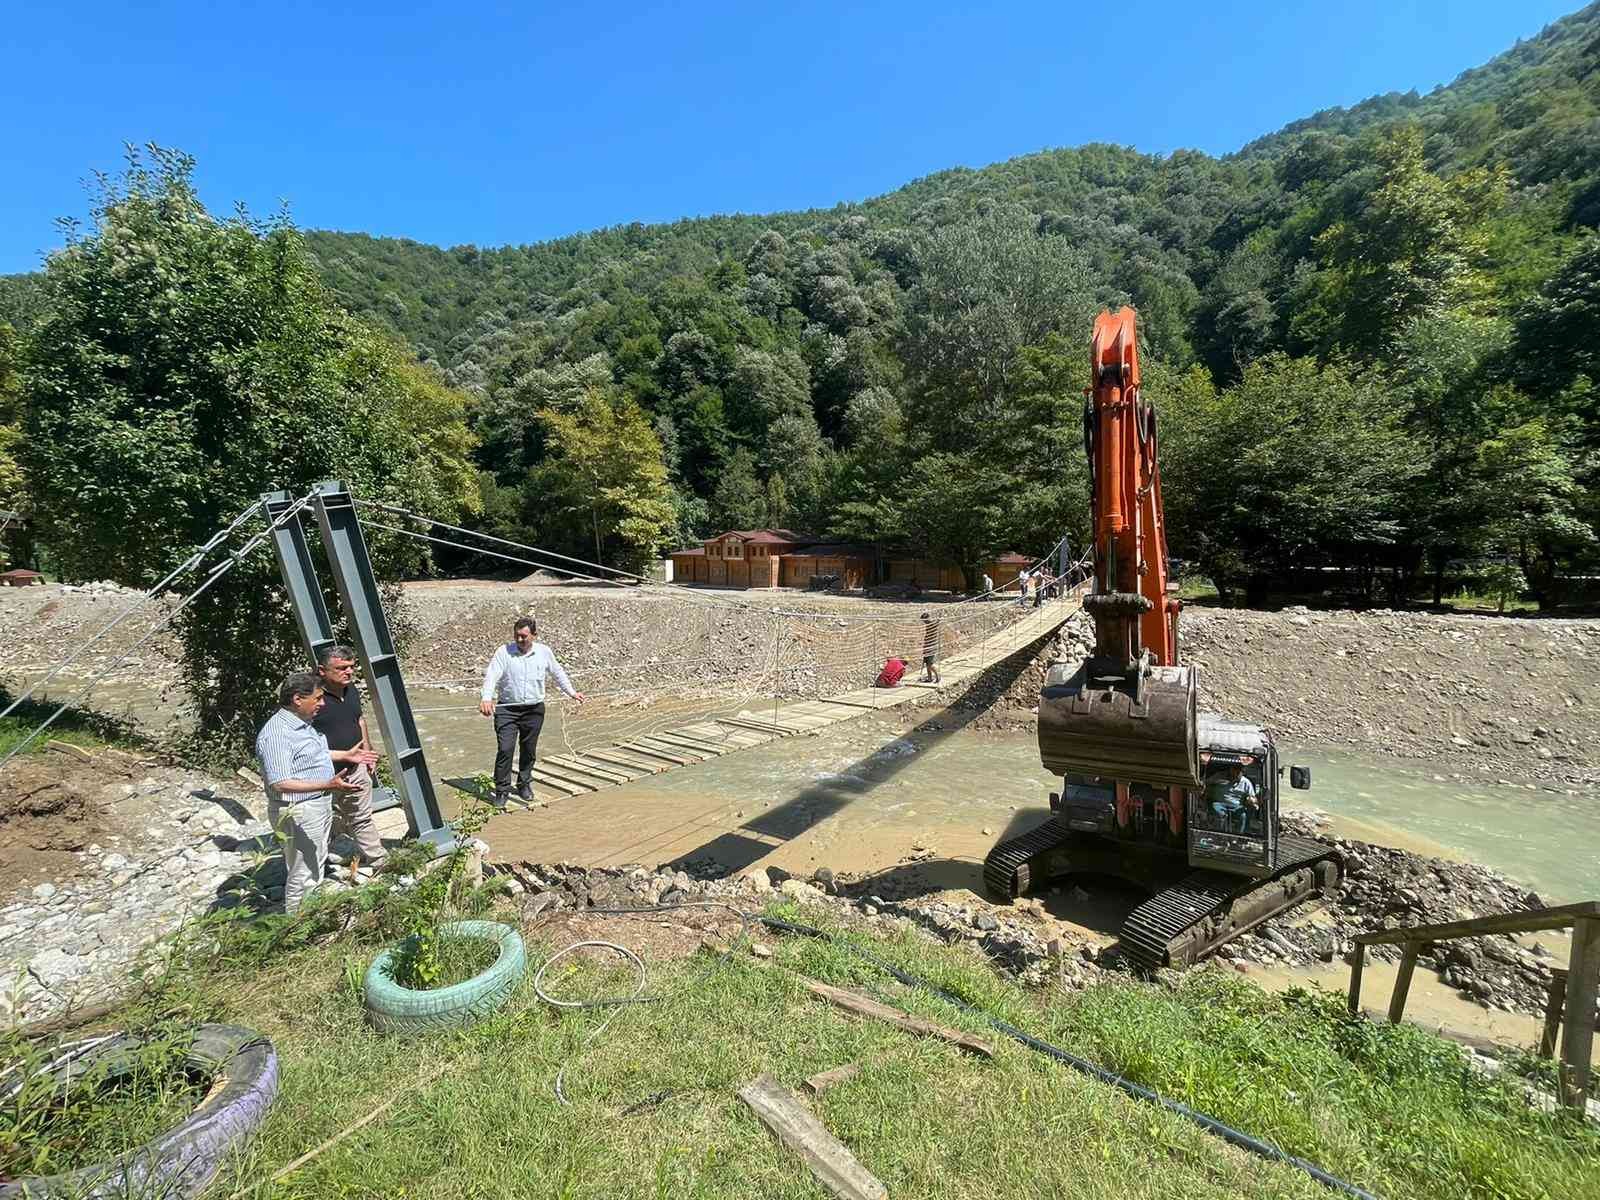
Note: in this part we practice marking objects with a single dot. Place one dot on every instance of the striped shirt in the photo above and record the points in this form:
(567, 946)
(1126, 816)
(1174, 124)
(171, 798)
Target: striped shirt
(517, 678)
(290, 748)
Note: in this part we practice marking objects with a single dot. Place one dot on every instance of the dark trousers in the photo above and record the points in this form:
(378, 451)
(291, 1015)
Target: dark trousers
(516, 726)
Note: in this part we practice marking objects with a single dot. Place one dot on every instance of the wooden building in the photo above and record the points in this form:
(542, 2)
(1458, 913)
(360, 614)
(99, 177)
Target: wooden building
(767, 558)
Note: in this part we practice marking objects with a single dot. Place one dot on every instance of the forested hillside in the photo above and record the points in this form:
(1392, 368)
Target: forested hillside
(1371, 336)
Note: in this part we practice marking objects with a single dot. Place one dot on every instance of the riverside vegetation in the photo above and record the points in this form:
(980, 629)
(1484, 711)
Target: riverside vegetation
(1393, 1109)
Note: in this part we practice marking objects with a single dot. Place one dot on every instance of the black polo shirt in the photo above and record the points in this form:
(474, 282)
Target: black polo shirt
(340, 720)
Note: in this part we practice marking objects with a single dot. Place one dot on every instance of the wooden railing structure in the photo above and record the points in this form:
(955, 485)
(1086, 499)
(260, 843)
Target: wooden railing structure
(1575, 1011)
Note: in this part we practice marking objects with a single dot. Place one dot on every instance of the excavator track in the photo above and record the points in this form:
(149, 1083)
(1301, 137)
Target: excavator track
(1179, 924)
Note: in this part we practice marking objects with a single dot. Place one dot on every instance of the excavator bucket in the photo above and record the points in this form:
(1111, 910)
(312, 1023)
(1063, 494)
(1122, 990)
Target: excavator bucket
(1142, 732)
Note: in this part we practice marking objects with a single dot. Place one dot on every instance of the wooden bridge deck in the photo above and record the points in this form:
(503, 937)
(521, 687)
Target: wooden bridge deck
(640, 757)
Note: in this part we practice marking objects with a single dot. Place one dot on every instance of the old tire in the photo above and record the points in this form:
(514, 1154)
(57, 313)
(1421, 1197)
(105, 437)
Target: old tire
(182, 1161)
(398, 1009)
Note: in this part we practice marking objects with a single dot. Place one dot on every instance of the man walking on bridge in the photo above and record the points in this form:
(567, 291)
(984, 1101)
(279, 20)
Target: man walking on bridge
(513, 694)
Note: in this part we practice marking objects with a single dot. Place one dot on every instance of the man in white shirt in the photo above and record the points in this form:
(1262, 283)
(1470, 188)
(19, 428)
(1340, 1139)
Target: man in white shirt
(301, 780)
(513, 694)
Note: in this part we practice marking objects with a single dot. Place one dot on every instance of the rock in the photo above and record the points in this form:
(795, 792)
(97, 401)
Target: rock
(758, 879)
(1080, 896)
(761, 950)
(43, 892)
(985, 921)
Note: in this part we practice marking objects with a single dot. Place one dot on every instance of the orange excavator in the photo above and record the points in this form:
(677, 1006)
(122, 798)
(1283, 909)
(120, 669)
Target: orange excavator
(1181, 803)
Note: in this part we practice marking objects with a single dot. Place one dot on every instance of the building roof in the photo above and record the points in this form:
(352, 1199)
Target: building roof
(1011, 556)
(691, 550)
(763, 536)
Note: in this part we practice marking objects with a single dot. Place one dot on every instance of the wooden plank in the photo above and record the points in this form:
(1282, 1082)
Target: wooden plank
(698, 753)
(1523, 922)
(638, 747)
(568, 776)
(67, 748)
(759, 727)
(714, 734)
(866, 1006)
(634, 762)
(1402, 983)
(580, 768)
(1552, 1012)
(829, 1159)
(1577, 1038)
(1356, 965)
(674, 737)
(540, 775)
(824, 1080)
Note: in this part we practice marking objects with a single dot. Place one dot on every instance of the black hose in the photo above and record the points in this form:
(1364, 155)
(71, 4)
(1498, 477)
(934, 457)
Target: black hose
(1210, 1124)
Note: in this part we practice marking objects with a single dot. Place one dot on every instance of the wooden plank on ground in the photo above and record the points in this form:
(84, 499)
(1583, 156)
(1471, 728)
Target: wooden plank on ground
(758, 726)
(635, 762)
(824, 1080)
(712, 733)
(829, 1159)
(67, 748)
(695, 753)
(866, 1006)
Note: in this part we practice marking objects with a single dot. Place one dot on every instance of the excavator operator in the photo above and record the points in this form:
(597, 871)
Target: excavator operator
(1232, 798)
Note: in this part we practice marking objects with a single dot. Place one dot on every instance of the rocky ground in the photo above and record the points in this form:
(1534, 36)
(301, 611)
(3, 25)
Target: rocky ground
(1383, 888)
(98, 859)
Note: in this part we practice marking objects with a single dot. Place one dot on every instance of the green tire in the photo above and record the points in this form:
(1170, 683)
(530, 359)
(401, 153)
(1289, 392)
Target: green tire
(396, 1009)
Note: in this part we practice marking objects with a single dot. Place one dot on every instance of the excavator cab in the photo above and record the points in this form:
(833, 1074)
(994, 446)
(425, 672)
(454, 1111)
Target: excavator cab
(1233, 814)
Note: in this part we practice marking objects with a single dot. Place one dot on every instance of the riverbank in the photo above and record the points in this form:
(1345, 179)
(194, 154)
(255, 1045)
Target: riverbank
(654, 1108)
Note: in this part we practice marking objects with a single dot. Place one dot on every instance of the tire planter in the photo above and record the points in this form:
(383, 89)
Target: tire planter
(398, 1009)
(181, 1162)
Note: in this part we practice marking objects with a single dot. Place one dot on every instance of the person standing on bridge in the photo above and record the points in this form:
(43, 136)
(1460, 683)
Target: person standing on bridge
(513, 694)
(930, 649)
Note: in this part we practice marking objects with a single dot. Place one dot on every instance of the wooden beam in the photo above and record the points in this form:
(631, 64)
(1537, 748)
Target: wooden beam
(1552, 1012)
(1577, 1038)
(824, 1080)
(758, 726)
(700, 753)
(569, 776)
(829, 1159)
(1402, 983)
(1356, 965)
(866, 1006)
(712, 746)
(1522, 922)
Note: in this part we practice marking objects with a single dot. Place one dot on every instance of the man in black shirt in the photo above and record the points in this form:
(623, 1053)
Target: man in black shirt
(342, 723)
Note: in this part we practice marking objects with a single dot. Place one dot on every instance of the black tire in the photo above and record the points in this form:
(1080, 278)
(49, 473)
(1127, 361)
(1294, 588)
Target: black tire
(397, 1009)
(182, 1161)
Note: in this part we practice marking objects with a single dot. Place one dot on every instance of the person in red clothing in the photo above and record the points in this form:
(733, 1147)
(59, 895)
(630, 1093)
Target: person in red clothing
(891, 673)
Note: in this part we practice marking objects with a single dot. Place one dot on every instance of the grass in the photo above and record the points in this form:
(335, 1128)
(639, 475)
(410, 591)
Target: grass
(654, 1109)
(46, 1128)
(77, 726)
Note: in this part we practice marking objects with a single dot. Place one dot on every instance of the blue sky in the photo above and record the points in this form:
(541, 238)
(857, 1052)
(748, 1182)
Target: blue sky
(502, 123)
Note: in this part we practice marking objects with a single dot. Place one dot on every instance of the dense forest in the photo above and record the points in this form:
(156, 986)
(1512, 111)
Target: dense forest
(1371, 337)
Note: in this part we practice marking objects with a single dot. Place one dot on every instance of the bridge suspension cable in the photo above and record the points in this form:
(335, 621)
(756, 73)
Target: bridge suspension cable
(217, 572)
(177, 572)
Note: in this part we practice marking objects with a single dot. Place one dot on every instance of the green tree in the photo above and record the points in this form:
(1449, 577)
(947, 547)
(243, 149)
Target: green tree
(189, 364)
(1296, 465)
(1532, 497)
(739, 500)
(605, 470)
(953, 509)
(12, 497)
(1414, 246)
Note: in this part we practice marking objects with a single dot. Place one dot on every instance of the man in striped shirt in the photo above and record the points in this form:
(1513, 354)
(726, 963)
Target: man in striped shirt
(513, 694)
(301, 781)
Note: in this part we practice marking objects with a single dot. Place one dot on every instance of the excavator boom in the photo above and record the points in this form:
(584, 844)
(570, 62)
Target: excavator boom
(1129, 713)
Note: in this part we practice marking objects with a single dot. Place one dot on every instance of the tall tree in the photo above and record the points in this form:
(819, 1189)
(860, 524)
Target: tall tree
(187, 366)
(605, 474)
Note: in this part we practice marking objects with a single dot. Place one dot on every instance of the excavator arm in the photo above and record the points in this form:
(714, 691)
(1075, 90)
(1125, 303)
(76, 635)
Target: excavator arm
(1128, 714)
